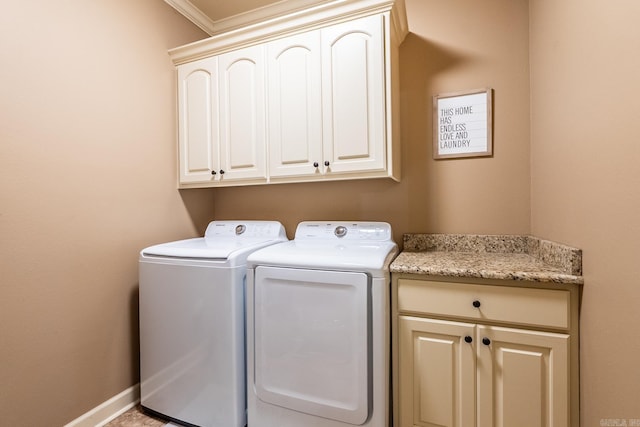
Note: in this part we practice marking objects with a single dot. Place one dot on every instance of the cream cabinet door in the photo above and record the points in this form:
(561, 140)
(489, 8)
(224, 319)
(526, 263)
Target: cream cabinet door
(198, 120)
(353, 92)
(437, 373)
(295, 105)
(522, 378)
(242, 115)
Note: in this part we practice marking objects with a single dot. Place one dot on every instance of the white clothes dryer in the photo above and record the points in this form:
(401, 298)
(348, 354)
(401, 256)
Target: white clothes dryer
(318, 327)
(192, 323)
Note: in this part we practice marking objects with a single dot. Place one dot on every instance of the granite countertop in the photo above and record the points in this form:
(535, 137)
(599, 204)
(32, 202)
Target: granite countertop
(504, 257)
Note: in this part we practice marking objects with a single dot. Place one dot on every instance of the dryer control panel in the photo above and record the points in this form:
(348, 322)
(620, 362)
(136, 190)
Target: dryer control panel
(352, 231)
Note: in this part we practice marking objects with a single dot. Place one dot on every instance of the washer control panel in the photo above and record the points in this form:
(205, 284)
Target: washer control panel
(244, 229)
(340, 231)
(351, 231)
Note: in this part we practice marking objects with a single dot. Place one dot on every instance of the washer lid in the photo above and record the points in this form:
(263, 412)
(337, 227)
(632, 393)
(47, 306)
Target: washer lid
(223, 240)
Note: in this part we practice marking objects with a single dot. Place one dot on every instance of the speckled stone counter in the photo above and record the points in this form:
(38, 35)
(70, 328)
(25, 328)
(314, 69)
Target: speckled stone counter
(503, 257)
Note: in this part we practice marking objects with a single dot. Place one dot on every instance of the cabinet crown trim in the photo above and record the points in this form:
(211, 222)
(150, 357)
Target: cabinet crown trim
(262, 25)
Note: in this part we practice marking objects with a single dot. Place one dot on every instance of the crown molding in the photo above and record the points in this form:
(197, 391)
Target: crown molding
(265, 13)
(193, 14)
(198, 17)
(282, 18)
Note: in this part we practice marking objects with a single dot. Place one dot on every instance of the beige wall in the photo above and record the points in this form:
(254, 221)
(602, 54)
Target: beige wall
(585, 178)
(451, 47)
(87, 179)
(87, 115)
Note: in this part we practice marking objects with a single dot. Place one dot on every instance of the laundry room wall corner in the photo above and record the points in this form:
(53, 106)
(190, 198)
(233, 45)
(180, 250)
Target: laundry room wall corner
(199, 203)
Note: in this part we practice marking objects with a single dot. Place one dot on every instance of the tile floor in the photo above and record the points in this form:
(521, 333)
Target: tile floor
(134, 417)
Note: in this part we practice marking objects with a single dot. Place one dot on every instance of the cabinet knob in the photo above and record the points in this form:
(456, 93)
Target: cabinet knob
(476, 304)
(486, 341)
(221, 172)
(468, 339)
(315, 164)
(213, 172)
(326, 162)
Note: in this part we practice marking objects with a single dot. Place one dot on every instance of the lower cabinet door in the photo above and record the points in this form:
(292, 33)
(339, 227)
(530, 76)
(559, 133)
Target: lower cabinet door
(522, 378)
(437, 373)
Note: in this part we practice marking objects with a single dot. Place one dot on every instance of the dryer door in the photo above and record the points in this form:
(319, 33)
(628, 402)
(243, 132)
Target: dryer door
(311, 342)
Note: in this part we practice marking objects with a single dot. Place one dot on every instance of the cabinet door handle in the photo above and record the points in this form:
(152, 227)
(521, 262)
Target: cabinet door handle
(476, 304)
(468, 339)
(213, 172)
(486, 341)
(221, 172)
(326, 162)
(315, 164)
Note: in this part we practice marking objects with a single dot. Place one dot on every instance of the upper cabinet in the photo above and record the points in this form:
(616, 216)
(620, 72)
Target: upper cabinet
(242, 115)
(295, 105)
(354, 119)
(310, 95)
(198, 120)
(221, 119)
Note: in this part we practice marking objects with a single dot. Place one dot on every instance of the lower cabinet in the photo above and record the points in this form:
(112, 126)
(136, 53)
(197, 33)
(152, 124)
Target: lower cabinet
(437, 374)
(471, 370)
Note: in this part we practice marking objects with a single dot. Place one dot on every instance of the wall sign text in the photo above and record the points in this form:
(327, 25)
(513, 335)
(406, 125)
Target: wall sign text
(462, 123)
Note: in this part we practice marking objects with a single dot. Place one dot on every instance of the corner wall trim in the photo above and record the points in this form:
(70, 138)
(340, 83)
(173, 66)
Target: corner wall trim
(107, 411)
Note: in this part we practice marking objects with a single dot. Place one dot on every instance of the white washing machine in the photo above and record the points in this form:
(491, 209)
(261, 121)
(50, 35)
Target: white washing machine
(318, 327)
(192, 323)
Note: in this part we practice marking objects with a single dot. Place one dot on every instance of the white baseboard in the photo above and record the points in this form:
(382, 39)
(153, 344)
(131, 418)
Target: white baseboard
(107, 411)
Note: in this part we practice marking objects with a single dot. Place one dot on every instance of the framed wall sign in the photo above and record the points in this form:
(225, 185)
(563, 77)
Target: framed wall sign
(462, 123)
